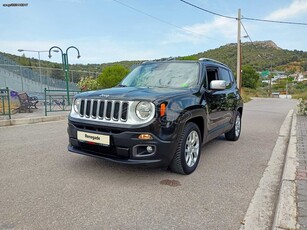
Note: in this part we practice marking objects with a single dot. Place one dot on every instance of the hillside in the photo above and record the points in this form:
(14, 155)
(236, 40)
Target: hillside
(261, 55)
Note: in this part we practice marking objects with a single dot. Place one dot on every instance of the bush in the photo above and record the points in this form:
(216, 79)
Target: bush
(249, 77)
(88, 83)
(111, 76)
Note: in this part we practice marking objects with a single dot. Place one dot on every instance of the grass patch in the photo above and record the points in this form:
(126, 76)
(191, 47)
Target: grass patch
(298, 95)
(248, 93)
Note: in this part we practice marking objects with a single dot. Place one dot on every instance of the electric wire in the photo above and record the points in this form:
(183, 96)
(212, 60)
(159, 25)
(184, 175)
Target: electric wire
(246, 18)
(208, 11)
(165, 22)
(260, 55)
(273, 21)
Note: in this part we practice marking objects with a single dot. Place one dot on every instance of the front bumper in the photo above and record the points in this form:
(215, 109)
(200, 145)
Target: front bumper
(125, 147)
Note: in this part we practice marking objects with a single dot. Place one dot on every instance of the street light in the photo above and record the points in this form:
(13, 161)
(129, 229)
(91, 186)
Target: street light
(65, 65)
(39, 61)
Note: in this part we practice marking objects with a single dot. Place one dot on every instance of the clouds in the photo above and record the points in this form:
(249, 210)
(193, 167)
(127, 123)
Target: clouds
(92, 49)
(223, 30)
(105, 32)
(219, 29)
(295, 9)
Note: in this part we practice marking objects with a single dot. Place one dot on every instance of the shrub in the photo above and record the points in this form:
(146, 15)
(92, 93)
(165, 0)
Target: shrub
(111, 76)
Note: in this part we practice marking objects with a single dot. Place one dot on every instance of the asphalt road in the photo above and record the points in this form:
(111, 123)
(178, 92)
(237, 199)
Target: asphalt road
(43, 186)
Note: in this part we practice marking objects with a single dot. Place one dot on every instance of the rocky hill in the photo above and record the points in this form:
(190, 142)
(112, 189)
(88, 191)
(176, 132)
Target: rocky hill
(261, 55)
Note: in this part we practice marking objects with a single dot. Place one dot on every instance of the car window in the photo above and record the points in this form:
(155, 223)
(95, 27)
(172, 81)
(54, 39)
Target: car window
(212, 74)
(224, 75)
(164, 75)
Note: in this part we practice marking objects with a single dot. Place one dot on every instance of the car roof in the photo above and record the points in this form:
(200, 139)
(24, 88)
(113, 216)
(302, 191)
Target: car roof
(201, 60)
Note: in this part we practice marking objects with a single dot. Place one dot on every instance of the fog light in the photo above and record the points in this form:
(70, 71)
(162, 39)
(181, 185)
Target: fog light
(149, 149)
(145, 137)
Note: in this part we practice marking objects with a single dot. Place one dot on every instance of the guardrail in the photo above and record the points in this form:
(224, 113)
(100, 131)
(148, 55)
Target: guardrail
(56, 100)
(5, 106)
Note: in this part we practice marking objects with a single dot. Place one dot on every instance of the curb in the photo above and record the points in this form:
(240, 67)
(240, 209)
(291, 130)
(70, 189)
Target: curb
(261, 211)
(32, 120)
(286, 210)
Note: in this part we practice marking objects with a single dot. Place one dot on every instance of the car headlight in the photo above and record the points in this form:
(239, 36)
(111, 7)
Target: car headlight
(144, 110)
(76, 105)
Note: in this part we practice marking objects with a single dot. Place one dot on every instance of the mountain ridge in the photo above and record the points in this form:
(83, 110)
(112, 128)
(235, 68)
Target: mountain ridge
(262, 55)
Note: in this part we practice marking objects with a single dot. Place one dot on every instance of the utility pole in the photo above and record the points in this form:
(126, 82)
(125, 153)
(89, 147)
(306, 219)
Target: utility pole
(239, 79)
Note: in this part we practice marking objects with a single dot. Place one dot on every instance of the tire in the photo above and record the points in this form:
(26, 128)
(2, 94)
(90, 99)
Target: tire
(234, 133)
(187, 154)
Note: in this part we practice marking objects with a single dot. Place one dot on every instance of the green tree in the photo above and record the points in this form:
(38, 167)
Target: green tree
(249, 77)
(111, 76)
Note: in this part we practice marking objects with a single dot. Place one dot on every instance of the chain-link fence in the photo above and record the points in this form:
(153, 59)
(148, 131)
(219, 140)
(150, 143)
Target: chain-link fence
(24, 79)
(35, 79)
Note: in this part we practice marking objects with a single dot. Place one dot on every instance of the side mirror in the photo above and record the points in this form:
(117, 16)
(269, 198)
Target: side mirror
(218, 85)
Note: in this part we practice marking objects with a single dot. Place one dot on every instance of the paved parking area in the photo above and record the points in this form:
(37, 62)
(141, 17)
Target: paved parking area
(43, 186)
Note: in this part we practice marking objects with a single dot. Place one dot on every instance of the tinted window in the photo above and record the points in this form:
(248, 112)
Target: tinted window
(225, 75)
(212, 74)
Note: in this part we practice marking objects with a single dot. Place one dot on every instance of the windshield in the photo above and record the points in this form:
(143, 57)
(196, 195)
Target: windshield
(163, 75)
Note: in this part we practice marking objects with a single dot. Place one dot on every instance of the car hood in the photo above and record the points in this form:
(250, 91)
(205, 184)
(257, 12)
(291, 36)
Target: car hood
(132, 93)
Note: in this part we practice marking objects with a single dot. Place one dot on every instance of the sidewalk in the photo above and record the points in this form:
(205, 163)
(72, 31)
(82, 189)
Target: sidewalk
(36, 116)
(301, 173)
(291, 210)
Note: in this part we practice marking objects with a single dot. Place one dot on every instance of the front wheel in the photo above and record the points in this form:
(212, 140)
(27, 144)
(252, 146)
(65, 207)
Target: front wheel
(188, 150)
(234, 133)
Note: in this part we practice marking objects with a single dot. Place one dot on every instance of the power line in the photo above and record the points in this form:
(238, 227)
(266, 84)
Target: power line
(273, 21)
(208, 11)
(149, 15)
(251, 40)
(164, 21)
(246, 18)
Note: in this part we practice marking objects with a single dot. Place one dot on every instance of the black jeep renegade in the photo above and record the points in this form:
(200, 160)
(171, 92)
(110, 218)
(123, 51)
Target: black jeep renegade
(159, 115)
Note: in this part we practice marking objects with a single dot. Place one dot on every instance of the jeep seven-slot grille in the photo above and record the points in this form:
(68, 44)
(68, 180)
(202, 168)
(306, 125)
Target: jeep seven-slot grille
(104, 109)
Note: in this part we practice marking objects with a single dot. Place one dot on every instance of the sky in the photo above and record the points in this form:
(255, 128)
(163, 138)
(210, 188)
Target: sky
(116, 30)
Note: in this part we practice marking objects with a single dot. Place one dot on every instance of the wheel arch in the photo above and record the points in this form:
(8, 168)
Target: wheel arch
(199, 121)
(240, 110)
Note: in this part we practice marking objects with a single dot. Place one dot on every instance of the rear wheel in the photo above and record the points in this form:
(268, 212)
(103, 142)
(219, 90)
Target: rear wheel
(234, 133)
(188, 150)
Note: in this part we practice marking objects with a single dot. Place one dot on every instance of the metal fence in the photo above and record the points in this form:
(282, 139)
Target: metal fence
(35, 79)
(25, 79)
(5, 104)
(57, 101)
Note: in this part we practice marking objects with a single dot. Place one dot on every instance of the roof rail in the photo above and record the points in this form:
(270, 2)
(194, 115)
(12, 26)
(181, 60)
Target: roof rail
(166, 59)
(161, 59)
(209, 59)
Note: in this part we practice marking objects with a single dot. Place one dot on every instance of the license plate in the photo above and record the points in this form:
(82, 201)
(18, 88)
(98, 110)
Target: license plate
(93, 138)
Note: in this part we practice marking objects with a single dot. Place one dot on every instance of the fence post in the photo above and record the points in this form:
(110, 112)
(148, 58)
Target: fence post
(8, 101)
(3, 105)
(45, 102)
(63, 102)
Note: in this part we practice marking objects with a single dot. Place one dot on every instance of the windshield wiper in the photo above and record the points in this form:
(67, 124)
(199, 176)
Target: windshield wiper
(120, 85)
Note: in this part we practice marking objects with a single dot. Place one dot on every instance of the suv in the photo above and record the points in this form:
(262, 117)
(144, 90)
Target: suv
(159, 115)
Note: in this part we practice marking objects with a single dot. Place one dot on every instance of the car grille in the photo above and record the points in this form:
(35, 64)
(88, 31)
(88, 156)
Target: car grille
(106, 110)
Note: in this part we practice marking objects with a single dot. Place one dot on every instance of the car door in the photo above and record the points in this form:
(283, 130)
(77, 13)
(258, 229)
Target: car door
(230, 94)
(217, 111)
